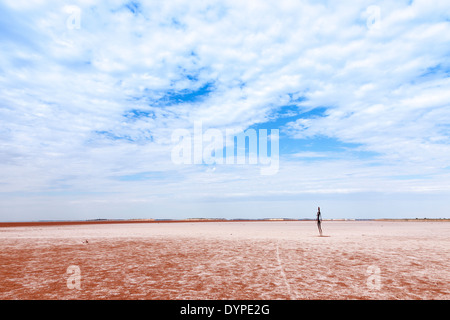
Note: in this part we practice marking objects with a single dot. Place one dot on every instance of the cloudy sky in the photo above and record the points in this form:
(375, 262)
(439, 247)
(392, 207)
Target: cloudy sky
(92, 92)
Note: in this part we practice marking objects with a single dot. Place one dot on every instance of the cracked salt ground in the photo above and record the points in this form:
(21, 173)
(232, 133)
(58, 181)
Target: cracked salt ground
(262, 260)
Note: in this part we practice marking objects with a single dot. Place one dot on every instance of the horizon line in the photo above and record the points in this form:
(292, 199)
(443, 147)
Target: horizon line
(169, 220)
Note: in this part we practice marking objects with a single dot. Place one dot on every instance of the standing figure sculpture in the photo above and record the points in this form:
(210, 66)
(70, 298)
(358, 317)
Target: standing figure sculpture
(319, 221)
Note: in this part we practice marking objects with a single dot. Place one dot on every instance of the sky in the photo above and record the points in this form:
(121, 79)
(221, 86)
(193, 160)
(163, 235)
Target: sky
(93, 94)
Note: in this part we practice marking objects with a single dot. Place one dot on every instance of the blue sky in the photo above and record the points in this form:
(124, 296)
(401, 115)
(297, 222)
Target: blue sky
(91, 92)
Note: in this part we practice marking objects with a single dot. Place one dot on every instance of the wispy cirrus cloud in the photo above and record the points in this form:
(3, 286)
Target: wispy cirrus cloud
(92, 109)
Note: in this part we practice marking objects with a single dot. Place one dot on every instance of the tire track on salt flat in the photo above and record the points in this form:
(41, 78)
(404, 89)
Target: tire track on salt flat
(283, 275)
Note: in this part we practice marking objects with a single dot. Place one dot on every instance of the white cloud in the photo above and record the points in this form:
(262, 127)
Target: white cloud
(66, 92)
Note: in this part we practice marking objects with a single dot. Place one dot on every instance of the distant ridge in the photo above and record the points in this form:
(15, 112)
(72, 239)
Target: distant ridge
(116, 221)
